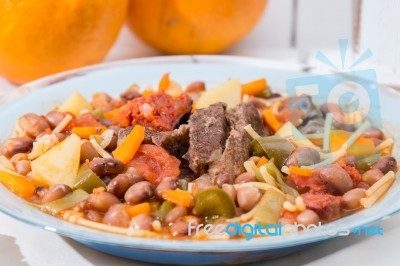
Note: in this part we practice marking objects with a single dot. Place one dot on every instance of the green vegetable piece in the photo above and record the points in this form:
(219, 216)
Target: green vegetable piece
(98, 113)
(265, 93)
(88, 180)
(66, 202)
(269, 207)
(162, 211)
(275, 173)
(366, 162)
(273, 147)
(183, 184)
(214, 203)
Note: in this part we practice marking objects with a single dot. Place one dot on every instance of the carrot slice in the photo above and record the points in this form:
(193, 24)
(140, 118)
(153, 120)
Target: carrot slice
(164, 82)
(142, 208)
(254, 87)
(127, 149)
(179, 197)
(300, 171)
(262, 161)
(86, 132)
(20, 185)
(271, 119)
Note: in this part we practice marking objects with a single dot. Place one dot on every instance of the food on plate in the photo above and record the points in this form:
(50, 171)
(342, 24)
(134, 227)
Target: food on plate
(164, 163)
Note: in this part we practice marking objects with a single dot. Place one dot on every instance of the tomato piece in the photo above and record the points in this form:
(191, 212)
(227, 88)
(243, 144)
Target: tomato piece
(154, 163)
(84, 120)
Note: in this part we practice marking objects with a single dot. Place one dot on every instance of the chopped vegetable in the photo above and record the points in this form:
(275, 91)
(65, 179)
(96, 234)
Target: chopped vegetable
(127, 149)
(265, 93)
(289, 131)
(300, 171)
(95, 143)
(66, 202)
(74, 104)
(60, 164)
(377, 190)
(86, 132)
(274, 147)
(269, 207)
(271, 120)
(366, 163)
(154, 163)
(88, 180)
(250, 167)
(164, 209)
(327, 131)
(60, 127)
(249, 129)
(142, 208)
(228, 92)
(254, 87)
(361, 146)
(164, 82)
(214, 203)
(179, 197)
(262, 161)
(274, 171)
(262, 175)
(183, 184)
(20, 185)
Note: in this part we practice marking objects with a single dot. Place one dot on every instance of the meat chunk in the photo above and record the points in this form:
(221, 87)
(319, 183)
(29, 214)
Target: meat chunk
(159, 111)
(175, 142)
(148, 134)
(208, 132)
(325, 205)
(237, 147)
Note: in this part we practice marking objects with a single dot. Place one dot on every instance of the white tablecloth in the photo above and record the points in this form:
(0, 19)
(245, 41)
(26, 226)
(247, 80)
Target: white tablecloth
(22, 244)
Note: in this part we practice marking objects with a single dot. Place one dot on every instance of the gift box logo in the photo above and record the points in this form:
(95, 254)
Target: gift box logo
(353, 92)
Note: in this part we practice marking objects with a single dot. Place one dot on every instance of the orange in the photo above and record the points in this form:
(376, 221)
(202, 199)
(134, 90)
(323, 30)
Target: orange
(38, 38)
(193, 26)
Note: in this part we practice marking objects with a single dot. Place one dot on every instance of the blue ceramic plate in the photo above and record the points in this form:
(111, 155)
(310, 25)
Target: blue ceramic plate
(41, 95)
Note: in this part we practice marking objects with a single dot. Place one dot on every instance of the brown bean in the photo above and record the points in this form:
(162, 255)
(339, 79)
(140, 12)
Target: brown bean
(373, 133)
(18, 157)
(303, 156)
(337, 179)
(385, 164)
(23, 167)
(88, 152)
(101, 200)
(41, 191)
(180, 227)
(16, 145)
(117, 216)
(245, 177)
(33, 124)
(120, 184)
(221, 179)
(307, 217)
(175, 213)
(230, 190)
(168, 183)
(371, 176)
(351, 199)
(55, 192)
(247, 197)
(113, 143)
(195, 87)
(106, 166)
(94, 216)
(142, 222)
(139, 192)
(54, 118)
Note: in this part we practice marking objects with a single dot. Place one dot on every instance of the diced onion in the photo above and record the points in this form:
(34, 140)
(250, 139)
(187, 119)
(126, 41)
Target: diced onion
(99, 149)
(251, 132)
(107, 137)
(62, 124)
(250, 167)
